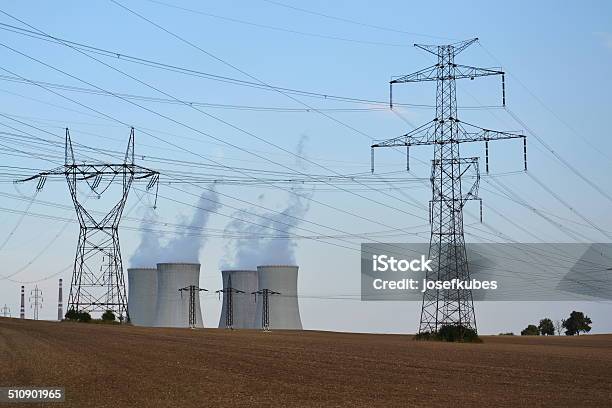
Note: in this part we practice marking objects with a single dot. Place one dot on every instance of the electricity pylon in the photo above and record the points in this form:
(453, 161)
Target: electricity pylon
(6, 311)
(193, 291)
(265, 309)
(36, 301)
(451, 175)
(228, 296)
(98, 282)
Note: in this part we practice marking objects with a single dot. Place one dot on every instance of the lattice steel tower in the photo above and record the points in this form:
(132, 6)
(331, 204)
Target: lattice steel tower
(98, 282)
(36, 301)
(228, 297)
(454, 181)
(265, 309)
(193, 292)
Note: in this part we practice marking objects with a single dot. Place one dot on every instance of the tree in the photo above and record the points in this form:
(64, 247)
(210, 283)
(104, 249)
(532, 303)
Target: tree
(84, 317)
(108, 316)
(577, 323)
(558, 327)
(72, 315)
(531, 330)
(546, 326)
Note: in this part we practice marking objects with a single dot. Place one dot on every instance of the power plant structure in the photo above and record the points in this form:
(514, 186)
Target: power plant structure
(60, 302)
(167, 296)
(238, 310)
(142, 295)
(22, 307)
(171, 307)
(282, 309)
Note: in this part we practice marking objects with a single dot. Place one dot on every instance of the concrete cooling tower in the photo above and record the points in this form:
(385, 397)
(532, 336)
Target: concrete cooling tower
(142, 295)
(284, 310)
(244, 309)
(172, 309)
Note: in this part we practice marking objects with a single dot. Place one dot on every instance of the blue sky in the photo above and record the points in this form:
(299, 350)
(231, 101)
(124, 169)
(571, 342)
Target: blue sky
(558, 59)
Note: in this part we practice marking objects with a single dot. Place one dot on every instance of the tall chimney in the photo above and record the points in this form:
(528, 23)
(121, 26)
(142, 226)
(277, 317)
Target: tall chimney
(22, 310)
(60, 304)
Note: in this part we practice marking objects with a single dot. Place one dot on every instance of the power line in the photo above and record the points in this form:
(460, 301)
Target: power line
(350, 21)
(276, 28)
(559, 118)
(171, 119)
(197, 130)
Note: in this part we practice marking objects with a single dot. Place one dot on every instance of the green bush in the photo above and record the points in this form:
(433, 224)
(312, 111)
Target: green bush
(76, 316)
(452, 333)
(84, 317)
(531, 330)
(108, 316)
(72, 315)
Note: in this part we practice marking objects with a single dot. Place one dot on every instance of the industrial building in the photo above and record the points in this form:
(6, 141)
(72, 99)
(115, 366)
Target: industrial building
(244, 308)
(284, 311)
(172, 306)
(155, 300)
(142, 295)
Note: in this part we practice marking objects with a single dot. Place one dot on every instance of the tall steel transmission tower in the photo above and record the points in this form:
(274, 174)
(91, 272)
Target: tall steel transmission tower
(454, 181)
(36, 301)
(98, 282)
(228, 297)
(193, 292)
(265, 309)
(6, 311)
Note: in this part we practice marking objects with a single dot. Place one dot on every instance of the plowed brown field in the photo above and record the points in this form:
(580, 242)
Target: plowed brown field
(121, 366)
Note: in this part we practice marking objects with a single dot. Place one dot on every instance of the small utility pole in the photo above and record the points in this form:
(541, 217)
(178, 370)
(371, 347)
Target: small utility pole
(36, 301)
(6, 312)
(265, 311)
(228, 296)
(193, 289)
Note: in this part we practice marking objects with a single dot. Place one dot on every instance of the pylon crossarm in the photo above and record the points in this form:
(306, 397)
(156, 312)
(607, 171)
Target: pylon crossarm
(425, 74)
(457, 47)
(42, 174)
(473, 133)
(468, 72)
(88, 171)
(423, 135)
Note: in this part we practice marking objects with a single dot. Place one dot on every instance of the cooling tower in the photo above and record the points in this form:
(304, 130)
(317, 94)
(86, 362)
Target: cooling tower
(142, 295)
(243, 306)
(284, 310)
(172, 308)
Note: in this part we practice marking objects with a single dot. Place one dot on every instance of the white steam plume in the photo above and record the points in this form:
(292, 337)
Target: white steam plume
(185, 245)
(250, 252)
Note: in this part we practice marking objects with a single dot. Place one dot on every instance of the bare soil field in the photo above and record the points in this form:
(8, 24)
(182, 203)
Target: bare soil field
(122, 366)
